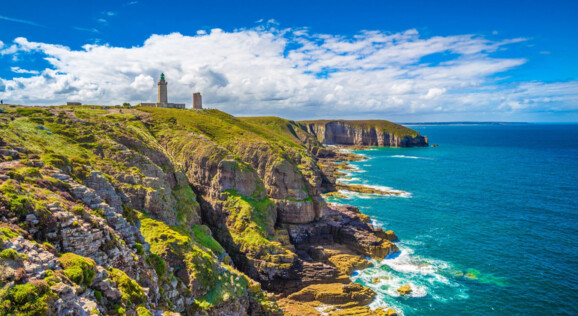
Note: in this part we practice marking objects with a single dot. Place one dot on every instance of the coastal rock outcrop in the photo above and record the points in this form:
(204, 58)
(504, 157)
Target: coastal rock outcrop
(364, 133)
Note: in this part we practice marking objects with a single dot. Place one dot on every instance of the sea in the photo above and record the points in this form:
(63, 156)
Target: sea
(487, 222)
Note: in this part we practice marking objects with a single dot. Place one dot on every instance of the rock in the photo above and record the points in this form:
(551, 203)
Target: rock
(379, 279)
(364, 133)
(367, 190)
(31, 218)
(404, 290)
(390, 312)
(335, 294)
(390, 235)
(346, 263)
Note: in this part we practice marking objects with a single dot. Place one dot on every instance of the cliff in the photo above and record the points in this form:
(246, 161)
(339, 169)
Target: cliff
(152, 210)
(364, 133)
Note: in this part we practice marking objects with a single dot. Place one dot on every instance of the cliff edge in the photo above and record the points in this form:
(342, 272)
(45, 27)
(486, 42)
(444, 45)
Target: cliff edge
(364, 133)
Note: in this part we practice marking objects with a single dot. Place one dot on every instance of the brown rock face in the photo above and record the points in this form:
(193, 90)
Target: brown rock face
(360, 133)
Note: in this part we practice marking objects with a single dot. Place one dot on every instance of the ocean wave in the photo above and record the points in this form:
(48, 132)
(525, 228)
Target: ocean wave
(426, 277)
(409, 157)
(347, 180)
(395, 192)
(351, 194)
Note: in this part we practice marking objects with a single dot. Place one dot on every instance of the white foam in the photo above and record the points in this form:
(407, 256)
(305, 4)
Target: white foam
(347, 180)
(424, 275)
(409, 157)
(393, 191)
(351, 194)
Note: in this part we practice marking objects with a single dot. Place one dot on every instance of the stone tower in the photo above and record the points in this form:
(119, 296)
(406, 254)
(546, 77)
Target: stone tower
(197, 101)
(163, 94)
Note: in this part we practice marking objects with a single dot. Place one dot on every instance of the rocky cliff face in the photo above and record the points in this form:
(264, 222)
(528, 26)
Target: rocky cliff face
(364, 133)
(160, 210)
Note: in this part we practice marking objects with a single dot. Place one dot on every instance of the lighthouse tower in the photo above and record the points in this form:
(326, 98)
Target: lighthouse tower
(163, 94)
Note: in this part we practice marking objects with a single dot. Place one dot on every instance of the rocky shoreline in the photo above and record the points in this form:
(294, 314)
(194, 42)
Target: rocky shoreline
(336, 295)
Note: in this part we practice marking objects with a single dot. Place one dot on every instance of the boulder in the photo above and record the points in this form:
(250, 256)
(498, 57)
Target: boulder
(404, 290)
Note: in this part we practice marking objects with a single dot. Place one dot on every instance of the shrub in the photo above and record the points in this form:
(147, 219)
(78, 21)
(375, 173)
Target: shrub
(143, 311)
(9, 254)
(139, 249)
(158, 264)
(78, 210)
(31, 111)
(79, 269)
(27, 299)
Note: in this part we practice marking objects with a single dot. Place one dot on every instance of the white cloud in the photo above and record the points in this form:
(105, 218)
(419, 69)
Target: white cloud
(293, 73)
(91, 30)
(19, 70)
(5, 18)
(433, 93)
(143, 83)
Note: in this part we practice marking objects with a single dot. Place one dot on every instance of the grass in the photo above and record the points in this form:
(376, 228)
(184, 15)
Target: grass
(203, 236)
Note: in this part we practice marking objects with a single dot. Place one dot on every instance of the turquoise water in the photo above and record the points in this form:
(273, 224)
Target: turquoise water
(489, 223)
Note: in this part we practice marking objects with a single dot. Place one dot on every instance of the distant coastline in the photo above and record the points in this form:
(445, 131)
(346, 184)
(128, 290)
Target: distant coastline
(464, 123)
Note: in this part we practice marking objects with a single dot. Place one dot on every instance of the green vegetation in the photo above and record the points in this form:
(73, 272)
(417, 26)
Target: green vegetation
(139, 249)
(7, 233)
(11, 254)
(203, 236)
(131, 292)
(28, 111)
(158, 264)
(252, 229)
(79, 269)
(143, 311)
(33, 298)
(162, 238)
(187, 205)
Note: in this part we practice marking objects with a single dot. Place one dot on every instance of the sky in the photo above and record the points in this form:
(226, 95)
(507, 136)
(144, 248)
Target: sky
(406, 61)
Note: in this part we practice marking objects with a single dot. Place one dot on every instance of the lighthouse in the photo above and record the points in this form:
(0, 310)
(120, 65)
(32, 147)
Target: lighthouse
(163, 94)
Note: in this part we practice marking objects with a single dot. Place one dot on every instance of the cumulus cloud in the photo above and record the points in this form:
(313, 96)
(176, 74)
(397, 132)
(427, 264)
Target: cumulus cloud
(293, 73)
(142, 83)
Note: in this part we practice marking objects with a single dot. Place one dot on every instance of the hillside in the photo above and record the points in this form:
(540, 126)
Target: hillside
(139, 211)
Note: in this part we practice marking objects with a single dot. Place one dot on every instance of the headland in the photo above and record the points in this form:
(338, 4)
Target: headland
(150, 210)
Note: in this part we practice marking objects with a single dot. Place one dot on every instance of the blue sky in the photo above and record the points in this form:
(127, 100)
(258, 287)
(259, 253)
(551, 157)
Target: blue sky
(402, 60)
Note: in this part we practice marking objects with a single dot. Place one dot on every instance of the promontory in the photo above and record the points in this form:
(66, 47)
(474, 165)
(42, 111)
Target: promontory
(153, 211)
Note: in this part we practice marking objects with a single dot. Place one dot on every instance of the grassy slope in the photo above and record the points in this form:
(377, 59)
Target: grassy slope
(62, 143)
